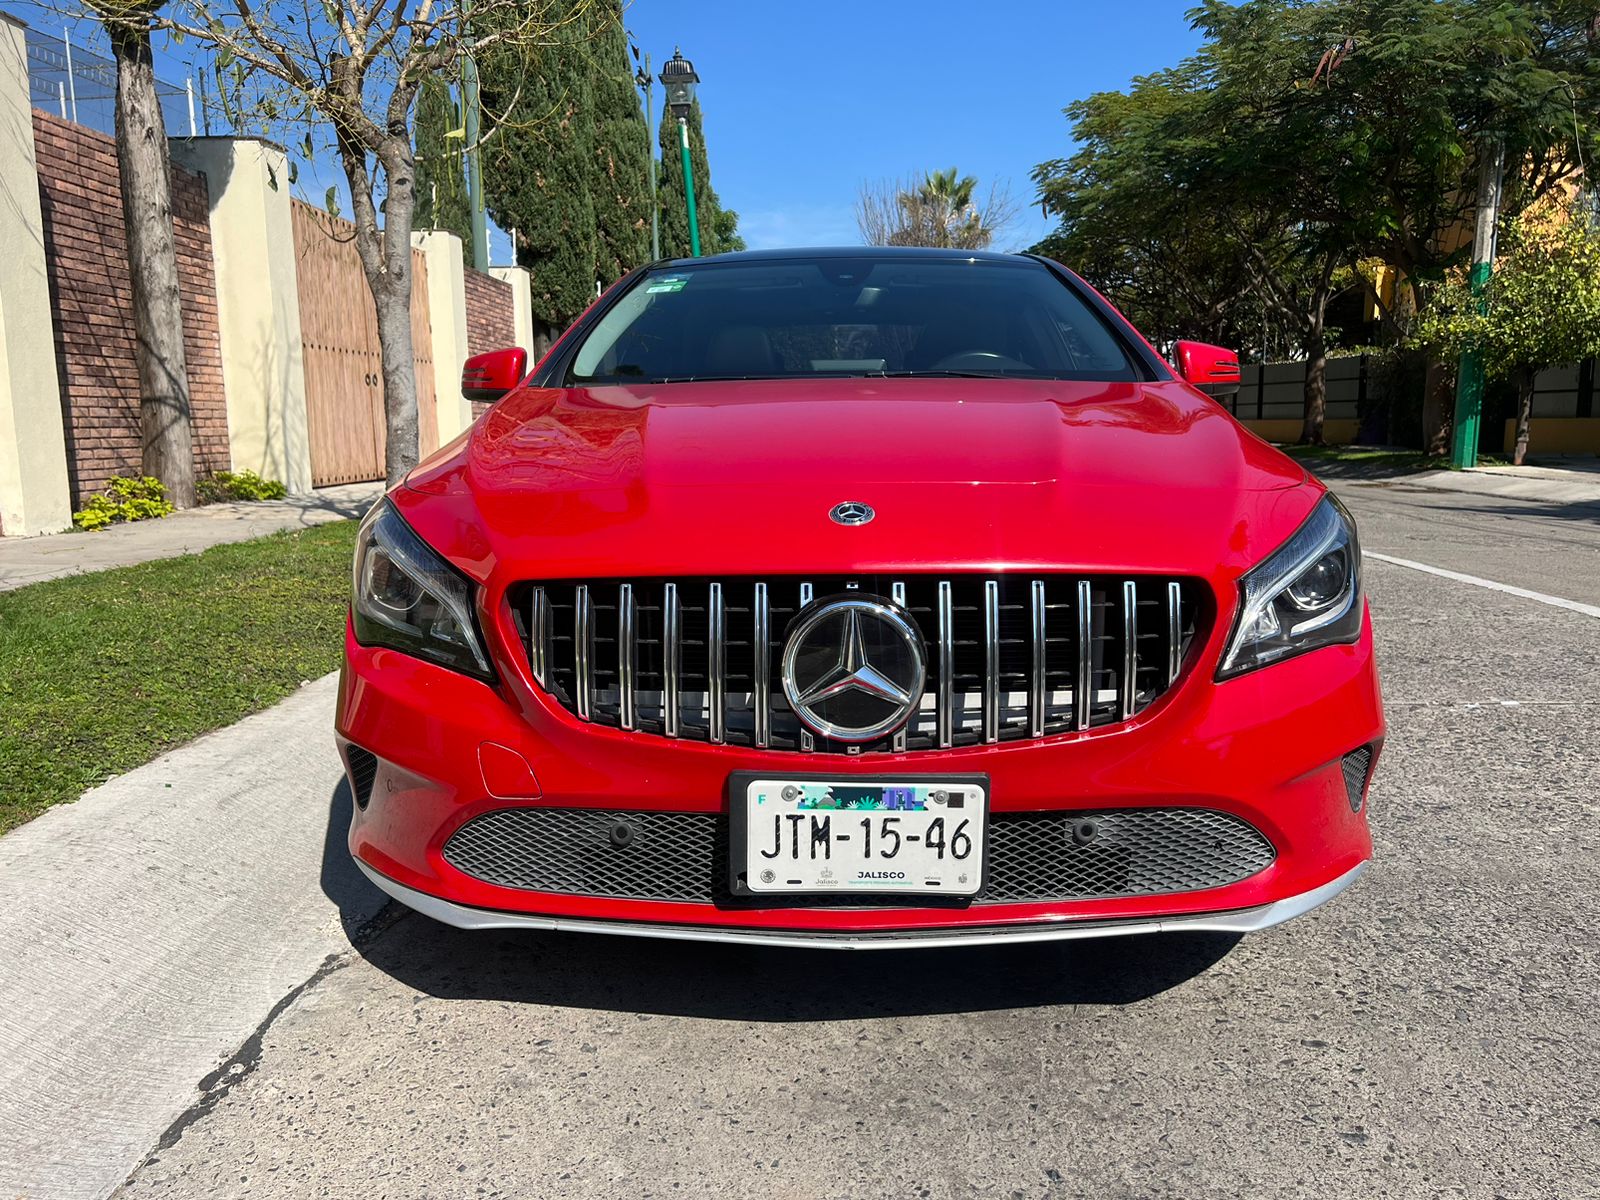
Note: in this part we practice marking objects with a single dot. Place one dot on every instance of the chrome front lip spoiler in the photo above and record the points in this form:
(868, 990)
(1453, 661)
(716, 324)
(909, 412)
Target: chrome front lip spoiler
(1241, 920)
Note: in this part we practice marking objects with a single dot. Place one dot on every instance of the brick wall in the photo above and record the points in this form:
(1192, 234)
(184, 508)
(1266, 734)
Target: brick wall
(87, 261)
(491, 318)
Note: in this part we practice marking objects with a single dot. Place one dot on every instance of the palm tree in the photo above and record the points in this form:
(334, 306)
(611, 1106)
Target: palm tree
(940, 211)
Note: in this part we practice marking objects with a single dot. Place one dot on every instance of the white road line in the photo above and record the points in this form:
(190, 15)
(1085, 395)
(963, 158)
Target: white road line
(1588, 610)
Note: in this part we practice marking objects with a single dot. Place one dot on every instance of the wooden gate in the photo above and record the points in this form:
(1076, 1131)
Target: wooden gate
(343, 365)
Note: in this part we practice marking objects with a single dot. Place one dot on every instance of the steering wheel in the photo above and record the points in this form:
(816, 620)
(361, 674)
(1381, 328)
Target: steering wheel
(980, 360)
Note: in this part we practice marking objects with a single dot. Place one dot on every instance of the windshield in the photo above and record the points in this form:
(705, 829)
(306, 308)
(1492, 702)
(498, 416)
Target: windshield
(867, 316)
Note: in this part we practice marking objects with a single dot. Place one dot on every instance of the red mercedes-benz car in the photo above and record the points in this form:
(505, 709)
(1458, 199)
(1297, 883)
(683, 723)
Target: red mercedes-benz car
(859, 598)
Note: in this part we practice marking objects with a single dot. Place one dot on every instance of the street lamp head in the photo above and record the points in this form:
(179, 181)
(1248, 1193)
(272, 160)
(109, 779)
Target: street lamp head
(678, 77)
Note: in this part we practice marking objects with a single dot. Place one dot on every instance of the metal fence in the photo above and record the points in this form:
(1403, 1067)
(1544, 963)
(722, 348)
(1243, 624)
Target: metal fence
(1276, 391)
(74, 83)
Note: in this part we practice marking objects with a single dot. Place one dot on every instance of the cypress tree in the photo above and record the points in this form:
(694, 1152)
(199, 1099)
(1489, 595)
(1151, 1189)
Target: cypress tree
(719, 230)
(541, 168)
(441, 164)
(620, 183)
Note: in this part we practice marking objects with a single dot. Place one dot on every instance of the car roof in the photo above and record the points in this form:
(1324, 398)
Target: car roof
(806, 253)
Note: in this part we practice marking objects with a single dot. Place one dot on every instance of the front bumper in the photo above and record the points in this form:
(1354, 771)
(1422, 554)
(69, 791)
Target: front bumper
(1246, 920)
(1266, 748)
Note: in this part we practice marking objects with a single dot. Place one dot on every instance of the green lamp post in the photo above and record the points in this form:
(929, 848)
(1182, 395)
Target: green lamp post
(679, 78)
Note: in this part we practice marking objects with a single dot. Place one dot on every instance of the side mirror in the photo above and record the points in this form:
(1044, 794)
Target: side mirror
(1212, 369)
(487, 377)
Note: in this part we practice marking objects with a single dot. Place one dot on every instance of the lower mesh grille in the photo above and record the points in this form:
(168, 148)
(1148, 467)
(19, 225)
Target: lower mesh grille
(1032, 856)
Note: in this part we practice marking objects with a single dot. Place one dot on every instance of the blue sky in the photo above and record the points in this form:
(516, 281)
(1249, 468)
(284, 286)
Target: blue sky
(805, 101)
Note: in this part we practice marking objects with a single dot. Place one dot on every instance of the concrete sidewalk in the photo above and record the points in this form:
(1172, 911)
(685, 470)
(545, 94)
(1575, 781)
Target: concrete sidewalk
(34, 559)
(1574, 481)
(147, 930)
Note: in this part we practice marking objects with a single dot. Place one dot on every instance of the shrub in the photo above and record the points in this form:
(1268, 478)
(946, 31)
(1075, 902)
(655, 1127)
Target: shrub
(238, 485)
(124, 499)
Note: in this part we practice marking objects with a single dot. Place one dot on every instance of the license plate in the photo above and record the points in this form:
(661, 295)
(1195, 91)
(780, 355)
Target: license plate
(916, 835)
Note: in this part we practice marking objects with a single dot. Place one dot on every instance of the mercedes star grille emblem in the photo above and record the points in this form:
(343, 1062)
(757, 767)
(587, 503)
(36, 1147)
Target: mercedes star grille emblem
(851, 512)
(853, 668)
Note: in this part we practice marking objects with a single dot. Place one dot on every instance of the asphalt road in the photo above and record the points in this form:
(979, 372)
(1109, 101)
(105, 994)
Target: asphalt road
(1431, 1033)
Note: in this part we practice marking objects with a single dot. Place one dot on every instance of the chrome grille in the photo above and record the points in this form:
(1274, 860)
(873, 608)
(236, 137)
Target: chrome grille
(1010, 657)
(1032, 857)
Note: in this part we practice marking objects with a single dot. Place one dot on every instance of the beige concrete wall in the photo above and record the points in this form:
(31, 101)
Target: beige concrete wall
(258, 304)
(521, 281)
(1557, 435)
(447, 311)
(1336, 432)
(34, 496)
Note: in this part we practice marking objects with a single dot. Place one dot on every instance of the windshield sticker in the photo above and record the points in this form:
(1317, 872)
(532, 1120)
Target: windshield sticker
(667, 283)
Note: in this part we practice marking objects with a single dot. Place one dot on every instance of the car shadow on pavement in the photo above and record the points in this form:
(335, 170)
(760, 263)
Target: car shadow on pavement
(360, 904)
(750, 983)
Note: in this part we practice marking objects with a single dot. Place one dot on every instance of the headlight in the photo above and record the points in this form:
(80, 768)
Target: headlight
(409, 599)
(1306, 595)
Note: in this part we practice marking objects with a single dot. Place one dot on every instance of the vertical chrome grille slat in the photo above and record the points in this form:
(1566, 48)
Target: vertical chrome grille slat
(808, 743)
(1174, 630)
(583, 649)
(761, 648)
(1082, 700)
(991, 660)
(671, 658)
(717, 665)
(946, 700)
(1130, 649)
(627, 657)
(1037, 692)
(897, 593)
(539, 636)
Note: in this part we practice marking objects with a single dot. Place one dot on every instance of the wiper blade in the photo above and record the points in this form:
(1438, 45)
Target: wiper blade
(796, 377)
(940, 374)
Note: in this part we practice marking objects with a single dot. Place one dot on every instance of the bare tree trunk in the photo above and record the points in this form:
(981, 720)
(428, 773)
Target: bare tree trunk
(1316, 345)
(386, 261)
(164, 411)
(1437, 409)
(401, 442)
(1525, 378)
(1316, 384)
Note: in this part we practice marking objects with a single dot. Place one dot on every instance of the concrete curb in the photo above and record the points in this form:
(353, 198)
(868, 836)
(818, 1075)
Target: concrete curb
(146, 929)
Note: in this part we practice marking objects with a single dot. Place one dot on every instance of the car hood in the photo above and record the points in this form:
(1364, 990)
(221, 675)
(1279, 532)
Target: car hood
(739, 477)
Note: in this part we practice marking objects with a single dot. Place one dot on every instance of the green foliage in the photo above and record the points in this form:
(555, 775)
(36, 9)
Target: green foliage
(1135, 219)
(442, 201)
(1212, 197)
(102, 672)
(569, 169)
(620, 180)
(1540, 308)
(540, 167)
(125, 499)
(718, 226)
(238, 485)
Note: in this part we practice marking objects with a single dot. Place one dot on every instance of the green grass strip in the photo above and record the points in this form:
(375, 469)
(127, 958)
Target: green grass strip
(100, 673)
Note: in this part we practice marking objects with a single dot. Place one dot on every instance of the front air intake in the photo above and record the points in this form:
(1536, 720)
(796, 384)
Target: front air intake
(363, 770)
(1357, 766)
